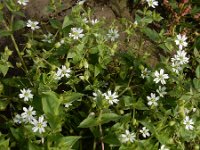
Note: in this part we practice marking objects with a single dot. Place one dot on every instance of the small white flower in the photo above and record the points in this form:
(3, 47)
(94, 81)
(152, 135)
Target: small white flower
(163, 147)
(63, 71)
(33, 25)
(17, 119)
(152, 3)
(188, 123)
(160, 77)
(145, 73)
(97, 94)
(128, 137)
(28, 114)
(81, 2)
(161, 91)
(85, 20)
(186, 111)
(26, 94)
(176, 67)
(23, 2)
(194, 109)
(145, 132)
(113, 34)
(76, 33)
(135, 23)
(112, 98)
(48, 38)
(152, 100)
(94, 21)
(67, 105)
(39, 125)
(181, 57)
(181, 41)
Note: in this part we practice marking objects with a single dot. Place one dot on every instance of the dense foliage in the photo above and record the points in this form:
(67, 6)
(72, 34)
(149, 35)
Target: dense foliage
(84, 83)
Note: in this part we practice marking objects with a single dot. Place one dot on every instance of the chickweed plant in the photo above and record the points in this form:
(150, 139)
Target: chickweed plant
(73, 86)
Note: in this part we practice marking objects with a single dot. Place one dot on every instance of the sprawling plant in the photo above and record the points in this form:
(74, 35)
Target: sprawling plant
(79, 85)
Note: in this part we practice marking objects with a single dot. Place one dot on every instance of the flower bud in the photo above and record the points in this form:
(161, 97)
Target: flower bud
(58, 44)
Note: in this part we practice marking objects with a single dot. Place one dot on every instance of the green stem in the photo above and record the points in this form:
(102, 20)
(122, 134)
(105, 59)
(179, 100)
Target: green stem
(16, 47)
(19, 54)
(94, 145)
(101, 132)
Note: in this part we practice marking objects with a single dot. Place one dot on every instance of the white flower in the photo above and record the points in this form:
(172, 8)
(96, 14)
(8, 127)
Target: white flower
(160, 76)
(81, 2)
(23, 2)
(26, 94)
(176, 67)
(63, 71)
(112, 98)
(188, 123)
(39, 125)
(145, 132)
(67, 105)
(194, 109)
(135, 23)
(113, 34)
(94, 21)
(33, 25)
(145, 73)
(97, 94)
(152, 3)
(181, 41)
(85, 20)
(128, 137)
(17, 119)
(48, 38)
(76, 33)
(152, 100)
(181, 57)
(161, 91)
(28, 114)
(163, 147)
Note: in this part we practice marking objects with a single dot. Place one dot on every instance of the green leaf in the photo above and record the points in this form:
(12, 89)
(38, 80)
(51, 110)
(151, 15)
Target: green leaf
(19, 24)
(32, 146)
(4, 33)
(152, 34)
(1, 16)
(90, 121)
(3, 69)
(111, 139)
(97, 70)
(70, 96)
(107, 117)
(3, 105)
(197, 72)
(67, 21)
(55, 24)
(4, 144)
(50, 103)
(69, 141)
(140, 105)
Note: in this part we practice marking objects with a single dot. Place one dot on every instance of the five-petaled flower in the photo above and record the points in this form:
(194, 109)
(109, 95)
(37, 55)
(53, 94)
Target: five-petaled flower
(113, 34)
(161, 91)
(152, 3)
(33, 25)
(181, 41)
(39, 125)
(23, 2)
(28, 114)
(63, 71)
(26, 94)
(76, 33)
(152, 100)
(145, 132)
(160, 77)
(128, 137)
(112, 98)
(188, 123)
